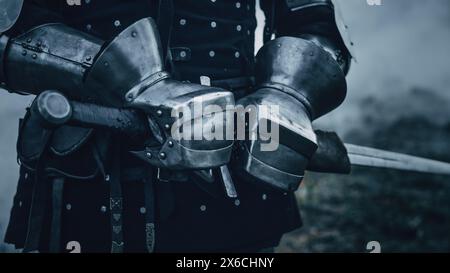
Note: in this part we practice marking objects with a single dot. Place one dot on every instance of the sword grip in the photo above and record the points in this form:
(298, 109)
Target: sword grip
(54, 110)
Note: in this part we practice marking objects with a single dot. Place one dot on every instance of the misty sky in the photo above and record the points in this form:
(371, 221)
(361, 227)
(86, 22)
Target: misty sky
(400, 45)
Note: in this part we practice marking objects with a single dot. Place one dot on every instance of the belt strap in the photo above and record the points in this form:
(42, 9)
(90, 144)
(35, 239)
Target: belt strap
(116, 203)
(234, 83)
(149, 196)
(38, 201)
(57, 203)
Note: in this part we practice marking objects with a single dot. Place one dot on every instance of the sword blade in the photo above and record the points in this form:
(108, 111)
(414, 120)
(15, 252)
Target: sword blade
(370, 157)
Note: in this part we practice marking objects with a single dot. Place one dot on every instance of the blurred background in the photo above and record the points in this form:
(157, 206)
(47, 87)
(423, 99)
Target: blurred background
(398, 99)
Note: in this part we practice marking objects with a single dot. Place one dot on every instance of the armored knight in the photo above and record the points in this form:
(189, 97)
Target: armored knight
(114, 193)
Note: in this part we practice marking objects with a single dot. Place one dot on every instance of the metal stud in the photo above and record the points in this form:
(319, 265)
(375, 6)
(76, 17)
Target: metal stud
(170, 143)
(117, 23)
(203, 208)
(107, 178)
(103, 209)
(159, 113)
(149, 155)
(183, 22)
(212, 54)
(162, 155)
(238, 5)
(264, 197)
(213, 24)
(143, 210)
(237, 202)
(68, 207)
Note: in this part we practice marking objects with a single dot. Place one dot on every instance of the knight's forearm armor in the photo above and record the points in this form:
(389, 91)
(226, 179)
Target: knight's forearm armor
(303, 73)
(126, 72)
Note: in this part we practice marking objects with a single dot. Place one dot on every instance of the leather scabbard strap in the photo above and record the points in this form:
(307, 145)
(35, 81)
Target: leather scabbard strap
(38, 201)
(149, 196)
(116, 203)
(57, 203)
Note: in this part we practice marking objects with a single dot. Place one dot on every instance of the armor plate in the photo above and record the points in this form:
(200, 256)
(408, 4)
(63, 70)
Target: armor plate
(304, 88)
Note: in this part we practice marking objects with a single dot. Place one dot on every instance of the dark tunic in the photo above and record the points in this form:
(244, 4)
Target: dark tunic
(212, 38)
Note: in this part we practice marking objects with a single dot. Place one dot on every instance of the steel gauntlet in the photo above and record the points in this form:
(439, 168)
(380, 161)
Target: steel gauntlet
(304, 82)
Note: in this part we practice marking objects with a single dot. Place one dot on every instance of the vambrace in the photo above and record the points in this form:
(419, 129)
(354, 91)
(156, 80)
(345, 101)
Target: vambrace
(305, 82)
(313, 20)
(51, 56)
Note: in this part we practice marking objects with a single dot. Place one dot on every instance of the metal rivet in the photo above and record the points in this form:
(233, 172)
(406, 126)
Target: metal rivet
(34, 56)
(237, 54)
(203, 208)
(106, 64)
(88, 26)
(88, 58)
(133, 34)
(68, 207)
(149, 155)
(20, 204)
(212, 53)
(213, 24)
(103, 209)
(238, 5)
(26, 175)
(167, 126)
(237, 202)
(107, 178)
(117, 23)
(183, 22)
(159, 113)
(170, 143)
(183, 54)
(143, 210)
(238, 27)
(29, 40)
(162, 155)
(264, 197)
